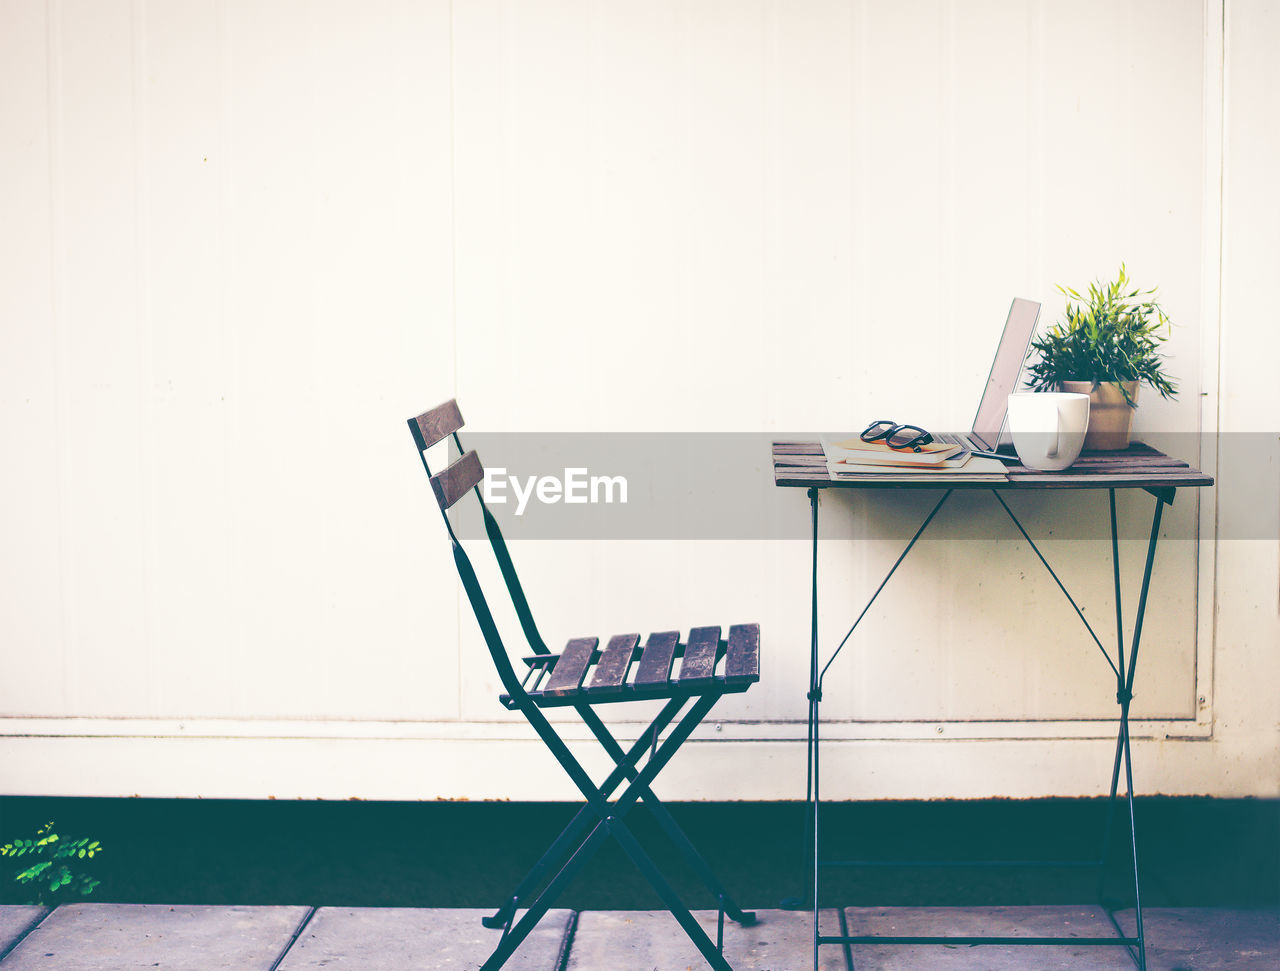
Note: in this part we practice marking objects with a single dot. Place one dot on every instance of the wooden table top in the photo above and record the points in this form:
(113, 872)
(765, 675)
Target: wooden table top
(801, 464)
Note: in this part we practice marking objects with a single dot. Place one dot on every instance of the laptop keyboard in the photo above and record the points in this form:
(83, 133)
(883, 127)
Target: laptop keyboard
(946, 438)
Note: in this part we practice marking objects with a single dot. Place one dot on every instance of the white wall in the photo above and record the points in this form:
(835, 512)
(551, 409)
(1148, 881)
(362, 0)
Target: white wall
(242, 242)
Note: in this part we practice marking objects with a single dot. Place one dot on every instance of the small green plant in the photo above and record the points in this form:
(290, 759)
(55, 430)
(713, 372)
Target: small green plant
(1112, 335)
(48, 861)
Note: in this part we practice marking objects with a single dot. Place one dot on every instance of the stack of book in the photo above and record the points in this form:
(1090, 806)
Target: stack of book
(850, 456)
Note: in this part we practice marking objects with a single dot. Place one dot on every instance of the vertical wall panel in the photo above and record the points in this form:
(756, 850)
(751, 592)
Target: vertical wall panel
(232, 283)
(335, 187)
(100, 355)
(31, 525)
(188, 457)
(810, 182)
(1248, 605)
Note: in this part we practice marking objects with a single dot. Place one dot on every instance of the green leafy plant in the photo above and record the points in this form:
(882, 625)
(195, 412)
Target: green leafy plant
(1113, 334)
(50, 863)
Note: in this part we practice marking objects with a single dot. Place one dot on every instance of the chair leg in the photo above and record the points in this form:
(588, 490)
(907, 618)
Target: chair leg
(666, 822)
(615, 827)
(611, 823)
(571, 836)
(669, 897)
(515, 937)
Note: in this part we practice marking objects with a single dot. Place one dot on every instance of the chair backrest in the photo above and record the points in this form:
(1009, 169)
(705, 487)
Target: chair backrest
(450, 485)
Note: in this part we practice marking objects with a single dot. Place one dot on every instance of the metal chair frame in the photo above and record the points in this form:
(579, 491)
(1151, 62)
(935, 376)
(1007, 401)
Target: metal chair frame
(598, 818)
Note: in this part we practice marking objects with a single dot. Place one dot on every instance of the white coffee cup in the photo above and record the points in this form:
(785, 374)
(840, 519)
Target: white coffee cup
(1048, 428)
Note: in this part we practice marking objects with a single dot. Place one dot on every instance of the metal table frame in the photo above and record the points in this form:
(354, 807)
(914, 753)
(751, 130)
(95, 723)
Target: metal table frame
(1162, 488)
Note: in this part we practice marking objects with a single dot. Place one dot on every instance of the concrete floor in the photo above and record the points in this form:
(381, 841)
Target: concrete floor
(79, 937)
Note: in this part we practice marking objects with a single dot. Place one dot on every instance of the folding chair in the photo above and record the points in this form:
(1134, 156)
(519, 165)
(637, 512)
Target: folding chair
(583, 676)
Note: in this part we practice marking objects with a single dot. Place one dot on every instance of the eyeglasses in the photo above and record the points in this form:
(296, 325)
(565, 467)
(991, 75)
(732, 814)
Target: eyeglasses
(897, 436)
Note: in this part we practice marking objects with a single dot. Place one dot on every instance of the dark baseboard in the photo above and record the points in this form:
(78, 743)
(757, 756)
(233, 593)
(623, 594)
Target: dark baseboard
(1194, 851)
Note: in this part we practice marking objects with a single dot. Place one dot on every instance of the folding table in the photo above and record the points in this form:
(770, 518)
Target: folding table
(800, 464)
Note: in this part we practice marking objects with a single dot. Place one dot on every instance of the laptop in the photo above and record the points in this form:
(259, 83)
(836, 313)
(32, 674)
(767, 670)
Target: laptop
(988, 424)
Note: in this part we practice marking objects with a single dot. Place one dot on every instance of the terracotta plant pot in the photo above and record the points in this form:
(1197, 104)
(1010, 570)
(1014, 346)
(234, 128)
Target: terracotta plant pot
(1110, 416)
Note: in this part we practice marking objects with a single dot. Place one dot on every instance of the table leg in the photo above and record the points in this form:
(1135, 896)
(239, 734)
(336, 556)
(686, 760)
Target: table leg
(1122, 732)
(817, 803)
(814, 697)
(807, 851)
(1124, 697)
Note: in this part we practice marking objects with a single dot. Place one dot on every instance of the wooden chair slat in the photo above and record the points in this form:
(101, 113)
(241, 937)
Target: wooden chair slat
(566, 676)
(742, 658)
(455, 481)
(655, 662)
(611, 670)
(700, 655)
(437, 424)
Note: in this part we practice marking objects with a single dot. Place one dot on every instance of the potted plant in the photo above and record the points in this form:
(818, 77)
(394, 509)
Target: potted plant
(1105, 346)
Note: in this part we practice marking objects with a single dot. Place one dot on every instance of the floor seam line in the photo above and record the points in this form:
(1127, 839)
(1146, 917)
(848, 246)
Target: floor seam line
(302, 926)
(566, 942)
(39, 919)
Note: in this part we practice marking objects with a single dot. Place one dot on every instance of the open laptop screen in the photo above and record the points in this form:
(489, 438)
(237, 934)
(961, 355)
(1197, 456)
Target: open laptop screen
(1018, 328)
